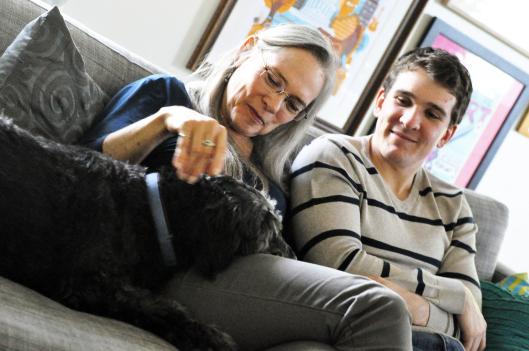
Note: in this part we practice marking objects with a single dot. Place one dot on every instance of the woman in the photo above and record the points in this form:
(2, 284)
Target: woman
(244, 115)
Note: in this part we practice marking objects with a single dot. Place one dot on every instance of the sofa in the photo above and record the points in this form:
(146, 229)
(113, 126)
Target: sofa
(30, 321)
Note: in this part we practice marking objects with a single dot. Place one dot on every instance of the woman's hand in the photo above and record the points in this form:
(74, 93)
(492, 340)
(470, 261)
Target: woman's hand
(472, 324)
(418, 307)
(202, 143)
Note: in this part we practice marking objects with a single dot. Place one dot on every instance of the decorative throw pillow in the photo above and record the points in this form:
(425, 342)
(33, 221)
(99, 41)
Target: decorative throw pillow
(517, 284)
(507, 317)
(43, 83)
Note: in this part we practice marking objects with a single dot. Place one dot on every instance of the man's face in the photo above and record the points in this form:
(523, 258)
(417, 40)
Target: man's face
(413, 118)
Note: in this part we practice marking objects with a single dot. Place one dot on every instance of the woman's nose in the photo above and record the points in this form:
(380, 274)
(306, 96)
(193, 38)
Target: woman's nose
(274, 101)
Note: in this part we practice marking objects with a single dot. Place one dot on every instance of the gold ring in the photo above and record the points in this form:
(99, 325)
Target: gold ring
(208, 143)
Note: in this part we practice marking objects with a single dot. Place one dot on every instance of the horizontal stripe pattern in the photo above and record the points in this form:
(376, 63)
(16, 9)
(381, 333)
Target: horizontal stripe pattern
(463, 246)
(412, 254)
(370, 170)
(348, 260)
(324, 200)
(346, 218)
(323, 236)
(428, 190)
(373, 202)
(459, 276)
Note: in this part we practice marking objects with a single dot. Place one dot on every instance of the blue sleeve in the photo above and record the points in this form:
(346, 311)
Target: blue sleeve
(134, 102)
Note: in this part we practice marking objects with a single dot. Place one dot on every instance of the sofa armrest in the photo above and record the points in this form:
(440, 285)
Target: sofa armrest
(502, 271)
(491, 217)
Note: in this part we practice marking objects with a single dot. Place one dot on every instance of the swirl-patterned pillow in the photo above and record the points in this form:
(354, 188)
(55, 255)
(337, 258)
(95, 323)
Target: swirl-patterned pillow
(43, 83)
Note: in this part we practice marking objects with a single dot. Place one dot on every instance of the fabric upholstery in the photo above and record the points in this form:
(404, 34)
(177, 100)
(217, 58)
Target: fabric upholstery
(32, 322)
(492, 218)
(507, 317)
(109, 65)
(43, 84)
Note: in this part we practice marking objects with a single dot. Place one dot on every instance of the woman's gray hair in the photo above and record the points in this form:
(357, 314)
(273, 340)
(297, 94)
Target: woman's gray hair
(272, 152)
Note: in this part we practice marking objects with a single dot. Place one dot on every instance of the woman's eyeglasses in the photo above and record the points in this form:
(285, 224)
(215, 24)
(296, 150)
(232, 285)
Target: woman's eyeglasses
(275, 84)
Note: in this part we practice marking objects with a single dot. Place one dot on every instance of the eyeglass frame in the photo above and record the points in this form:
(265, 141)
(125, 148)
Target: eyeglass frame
(302, 114)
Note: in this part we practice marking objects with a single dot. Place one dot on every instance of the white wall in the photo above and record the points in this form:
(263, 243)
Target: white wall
(507, 179)
(164, 32)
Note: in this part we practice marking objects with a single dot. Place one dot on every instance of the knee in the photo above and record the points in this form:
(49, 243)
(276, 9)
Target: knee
(391, 305)
(374, 310)
(370, 301)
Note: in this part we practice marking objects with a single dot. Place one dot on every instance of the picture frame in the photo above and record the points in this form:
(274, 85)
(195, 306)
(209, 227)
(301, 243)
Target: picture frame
(500, 96)
(523, 126)
(380, 33)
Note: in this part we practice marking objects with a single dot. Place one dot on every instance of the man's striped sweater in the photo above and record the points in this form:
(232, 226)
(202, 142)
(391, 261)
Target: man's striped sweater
(344, 216)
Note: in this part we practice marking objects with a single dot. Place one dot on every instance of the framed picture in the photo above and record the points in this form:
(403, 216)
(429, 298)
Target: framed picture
(502, 20)
(367, 36)
(499, 98)
(523, 127)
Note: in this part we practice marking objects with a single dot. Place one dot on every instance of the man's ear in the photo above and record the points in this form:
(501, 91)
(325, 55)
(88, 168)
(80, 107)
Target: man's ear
(379, 100)
(448, 134)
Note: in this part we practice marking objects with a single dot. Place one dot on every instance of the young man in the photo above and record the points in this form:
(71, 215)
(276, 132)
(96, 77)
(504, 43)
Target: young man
(365, 205)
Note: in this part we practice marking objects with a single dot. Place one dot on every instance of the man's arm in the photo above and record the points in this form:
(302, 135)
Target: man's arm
(329, 226)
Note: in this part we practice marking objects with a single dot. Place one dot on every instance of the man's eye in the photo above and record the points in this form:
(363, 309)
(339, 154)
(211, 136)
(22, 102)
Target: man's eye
(433, 115)
(401, 100)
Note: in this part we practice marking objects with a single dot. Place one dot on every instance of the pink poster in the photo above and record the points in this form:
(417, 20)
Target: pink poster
(495, 92)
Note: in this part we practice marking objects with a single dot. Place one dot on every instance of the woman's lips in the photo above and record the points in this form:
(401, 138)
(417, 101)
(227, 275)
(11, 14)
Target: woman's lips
(255, 116)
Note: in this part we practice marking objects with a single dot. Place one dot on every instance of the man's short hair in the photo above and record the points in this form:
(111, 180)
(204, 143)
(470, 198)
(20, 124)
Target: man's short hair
(444, 68)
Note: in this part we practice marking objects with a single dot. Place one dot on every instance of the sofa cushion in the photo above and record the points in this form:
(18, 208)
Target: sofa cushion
(491, 217)
(43, 83)
(507, 317)
(32, 322)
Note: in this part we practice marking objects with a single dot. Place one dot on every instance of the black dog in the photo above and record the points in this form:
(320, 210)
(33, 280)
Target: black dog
(76, 226)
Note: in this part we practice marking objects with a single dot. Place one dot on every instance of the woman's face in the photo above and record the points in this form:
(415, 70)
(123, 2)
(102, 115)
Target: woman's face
(269, 88)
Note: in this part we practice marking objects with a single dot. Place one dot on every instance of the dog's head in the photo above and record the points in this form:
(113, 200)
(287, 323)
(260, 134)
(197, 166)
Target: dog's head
(219, 218)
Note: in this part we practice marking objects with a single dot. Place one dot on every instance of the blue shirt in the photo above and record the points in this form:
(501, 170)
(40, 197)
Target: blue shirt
(143, 98)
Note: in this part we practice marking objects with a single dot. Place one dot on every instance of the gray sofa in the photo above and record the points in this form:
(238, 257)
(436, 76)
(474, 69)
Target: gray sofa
(29, 321)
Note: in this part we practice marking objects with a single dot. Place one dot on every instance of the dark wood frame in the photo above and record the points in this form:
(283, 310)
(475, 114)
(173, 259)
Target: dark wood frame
(211, 33)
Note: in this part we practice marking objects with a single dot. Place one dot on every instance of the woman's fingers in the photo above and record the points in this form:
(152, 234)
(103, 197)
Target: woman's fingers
(216, 165)
(201, 149)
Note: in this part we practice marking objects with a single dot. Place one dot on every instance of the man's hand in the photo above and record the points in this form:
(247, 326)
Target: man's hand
(472, 324)
(418, 307)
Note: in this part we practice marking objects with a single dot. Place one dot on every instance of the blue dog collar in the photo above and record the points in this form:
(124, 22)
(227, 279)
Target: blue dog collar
(160, 221)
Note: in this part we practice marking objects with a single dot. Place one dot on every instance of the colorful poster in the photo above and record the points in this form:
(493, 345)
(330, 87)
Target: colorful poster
(360, 30)
(495, 93)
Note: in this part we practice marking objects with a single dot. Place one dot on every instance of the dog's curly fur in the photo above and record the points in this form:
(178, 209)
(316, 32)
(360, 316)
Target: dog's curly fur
(76, 226)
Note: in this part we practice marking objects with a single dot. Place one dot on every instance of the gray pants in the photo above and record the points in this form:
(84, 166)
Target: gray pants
(265, 301)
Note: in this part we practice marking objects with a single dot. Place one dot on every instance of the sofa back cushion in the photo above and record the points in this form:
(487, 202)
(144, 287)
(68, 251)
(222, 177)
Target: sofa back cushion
(491, 217)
